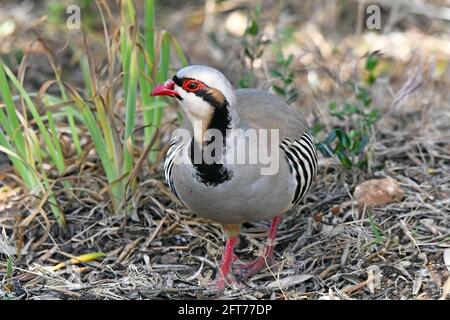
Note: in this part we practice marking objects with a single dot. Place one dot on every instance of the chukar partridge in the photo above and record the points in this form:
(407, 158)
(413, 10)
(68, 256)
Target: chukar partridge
(232, 192)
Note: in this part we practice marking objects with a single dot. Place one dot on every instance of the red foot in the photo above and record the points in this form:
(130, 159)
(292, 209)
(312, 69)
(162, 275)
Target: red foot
(266, 260)
(248, 270)
(220, 283)
(223, 278)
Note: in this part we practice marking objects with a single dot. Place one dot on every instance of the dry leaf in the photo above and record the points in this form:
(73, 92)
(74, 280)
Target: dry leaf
(374, 272)
(447, 258)
(289, 281)
(417, 285)
(436, 277)
(378, 192)
(430, 225)
(446, 289)
(328, 297)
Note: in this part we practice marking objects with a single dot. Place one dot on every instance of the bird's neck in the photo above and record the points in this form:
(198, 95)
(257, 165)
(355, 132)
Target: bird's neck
(224, 119)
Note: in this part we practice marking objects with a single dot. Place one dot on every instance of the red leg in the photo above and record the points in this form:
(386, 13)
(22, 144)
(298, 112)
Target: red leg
(267, 259)
(227, 260)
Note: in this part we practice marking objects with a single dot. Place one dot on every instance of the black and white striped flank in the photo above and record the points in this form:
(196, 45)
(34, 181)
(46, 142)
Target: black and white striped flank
(302, 158)
(175, 146)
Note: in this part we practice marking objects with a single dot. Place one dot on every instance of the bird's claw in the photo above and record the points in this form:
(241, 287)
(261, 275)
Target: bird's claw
(219, 285)
(248, 270)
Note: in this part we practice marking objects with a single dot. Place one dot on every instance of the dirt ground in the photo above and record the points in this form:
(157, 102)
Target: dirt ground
(327, 247)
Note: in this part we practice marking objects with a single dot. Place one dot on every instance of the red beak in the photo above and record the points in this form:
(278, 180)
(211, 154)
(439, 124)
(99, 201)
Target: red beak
(165, 89)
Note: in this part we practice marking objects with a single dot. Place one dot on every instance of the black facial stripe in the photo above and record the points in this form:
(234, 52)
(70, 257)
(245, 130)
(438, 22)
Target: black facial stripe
(220, 120)
(178, 81)
(202, 93)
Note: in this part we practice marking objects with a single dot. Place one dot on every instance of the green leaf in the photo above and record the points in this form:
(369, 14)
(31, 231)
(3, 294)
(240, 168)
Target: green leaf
(253, 28)
(350, 109)
(248, 53)
(362, 163)
(358, 148)
(371, 78)
(324, 149)
(247, 80)
(364, 96)
(343, 138)
(289, 79)
(292, 96)
(345, 161)
(288, 61)
(278, 90)
(317, 128)
(373, 116)
(374, 228)
(279, 58)
(332, 106)
(276, 73)
(352, 134)
(339, 115)
(372, 62)
(355, 146)
(330, 138)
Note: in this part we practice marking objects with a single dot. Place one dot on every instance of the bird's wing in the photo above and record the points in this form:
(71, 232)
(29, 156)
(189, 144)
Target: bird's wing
(259, 109)
(262, 110)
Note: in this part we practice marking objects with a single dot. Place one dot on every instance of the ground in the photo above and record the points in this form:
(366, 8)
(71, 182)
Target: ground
(328, 247)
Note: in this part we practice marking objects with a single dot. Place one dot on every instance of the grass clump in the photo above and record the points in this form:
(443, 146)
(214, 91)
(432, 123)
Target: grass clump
(137, 56)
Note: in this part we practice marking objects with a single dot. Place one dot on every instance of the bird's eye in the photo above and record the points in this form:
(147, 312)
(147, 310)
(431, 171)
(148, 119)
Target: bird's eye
(191, 85)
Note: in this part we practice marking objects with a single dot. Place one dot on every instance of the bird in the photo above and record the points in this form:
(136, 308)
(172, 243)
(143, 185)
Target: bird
(232, 193)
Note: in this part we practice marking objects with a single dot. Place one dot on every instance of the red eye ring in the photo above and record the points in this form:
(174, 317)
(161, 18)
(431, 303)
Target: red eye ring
(192, 85)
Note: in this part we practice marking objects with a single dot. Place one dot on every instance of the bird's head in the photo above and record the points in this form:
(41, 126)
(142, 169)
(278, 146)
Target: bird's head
(204, 94)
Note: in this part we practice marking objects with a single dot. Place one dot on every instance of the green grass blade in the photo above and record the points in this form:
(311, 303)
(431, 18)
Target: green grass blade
(130, 114)
(146, 100)
(57, 157)
(375, 229)
(146, 58)
(20, 165)
(125, 51)
(10, 123)
(161, 76)
(179, 51)
(149, 29)
(107, 159)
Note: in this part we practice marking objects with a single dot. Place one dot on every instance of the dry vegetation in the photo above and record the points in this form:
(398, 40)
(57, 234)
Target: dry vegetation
(327, 248)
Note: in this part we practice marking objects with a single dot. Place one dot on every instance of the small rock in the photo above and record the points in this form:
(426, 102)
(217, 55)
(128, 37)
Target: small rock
(378, 192)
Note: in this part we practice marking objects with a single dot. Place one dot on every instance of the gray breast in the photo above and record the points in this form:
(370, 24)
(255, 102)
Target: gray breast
(247, 196)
